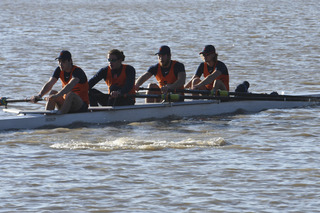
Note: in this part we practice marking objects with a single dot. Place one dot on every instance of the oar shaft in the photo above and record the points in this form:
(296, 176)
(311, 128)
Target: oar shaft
(248, 96)
(167, 97)
(176, 97)
(18, 100)
(181, 90)
(261, 96)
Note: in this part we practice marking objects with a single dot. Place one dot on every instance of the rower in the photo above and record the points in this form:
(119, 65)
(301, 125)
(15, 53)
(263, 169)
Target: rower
(73, 97)
(215, 72)
(170, 75)
(120, 80)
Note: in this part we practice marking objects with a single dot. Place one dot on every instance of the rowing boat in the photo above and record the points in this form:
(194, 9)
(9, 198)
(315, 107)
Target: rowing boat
(33, 119)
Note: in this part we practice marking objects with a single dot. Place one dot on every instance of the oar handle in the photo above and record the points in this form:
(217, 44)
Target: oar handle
(4, 101)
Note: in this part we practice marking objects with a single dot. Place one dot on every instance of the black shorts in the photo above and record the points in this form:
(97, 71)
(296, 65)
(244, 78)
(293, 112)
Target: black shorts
(98, 98)
(84, 108)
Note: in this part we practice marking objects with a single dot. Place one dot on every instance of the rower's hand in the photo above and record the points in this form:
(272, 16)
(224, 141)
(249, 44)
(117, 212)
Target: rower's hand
(35, 99)
(195, 87)
(165, 89)
(114, 94)
(136, 87)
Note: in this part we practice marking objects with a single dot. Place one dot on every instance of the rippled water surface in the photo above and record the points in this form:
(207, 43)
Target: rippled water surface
(262, 162)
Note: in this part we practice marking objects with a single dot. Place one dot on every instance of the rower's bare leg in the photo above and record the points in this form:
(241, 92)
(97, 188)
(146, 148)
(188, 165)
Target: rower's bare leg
(218, 85)
(72, 103)
(153, 100)
(52, 103)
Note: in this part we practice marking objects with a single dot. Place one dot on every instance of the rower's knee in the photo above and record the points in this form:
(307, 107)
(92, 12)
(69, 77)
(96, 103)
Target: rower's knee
(195, 81)
(70, 95)
(52, 92)
(153, 85)
(219, 85)
(152, 92)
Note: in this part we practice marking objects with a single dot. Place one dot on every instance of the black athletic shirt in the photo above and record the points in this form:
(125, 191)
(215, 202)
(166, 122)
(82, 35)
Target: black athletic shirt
(77, 73)
(220, 66)
(178, 67)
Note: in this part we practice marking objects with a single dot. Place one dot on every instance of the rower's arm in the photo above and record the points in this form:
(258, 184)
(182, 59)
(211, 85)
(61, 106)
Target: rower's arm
(67, 88)
(45, 89)
(209, 79)
(142, 79)
(102, 74)
(179, 82)
(48, 86)
(189, 84)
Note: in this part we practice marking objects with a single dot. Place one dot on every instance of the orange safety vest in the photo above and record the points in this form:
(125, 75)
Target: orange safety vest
(79, 89)
(118, 80)
(168, 79)
(223, 78)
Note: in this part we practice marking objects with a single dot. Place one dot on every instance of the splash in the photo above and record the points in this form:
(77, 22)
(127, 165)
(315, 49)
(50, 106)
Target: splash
(126, 143)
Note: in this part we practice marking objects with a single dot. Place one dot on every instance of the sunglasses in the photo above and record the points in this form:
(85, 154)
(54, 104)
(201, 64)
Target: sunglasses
(206, 54)
(112, 59)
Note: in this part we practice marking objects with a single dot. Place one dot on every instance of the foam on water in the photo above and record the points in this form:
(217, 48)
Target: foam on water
(126, 143)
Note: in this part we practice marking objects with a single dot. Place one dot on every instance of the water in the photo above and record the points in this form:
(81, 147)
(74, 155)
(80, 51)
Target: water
(263, 162)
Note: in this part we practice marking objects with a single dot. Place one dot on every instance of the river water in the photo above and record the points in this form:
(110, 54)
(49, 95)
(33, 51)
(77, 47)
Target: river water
(262, 162)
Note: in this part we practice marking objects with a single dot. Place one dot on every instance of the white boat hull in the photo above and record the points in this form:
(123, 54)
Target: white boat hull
(104, 115)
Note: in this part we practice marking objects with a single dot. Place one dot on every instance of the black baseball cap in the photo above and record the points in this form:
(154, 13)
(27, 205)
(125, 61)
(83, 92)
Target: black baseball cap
(208, 49)
(64, 55)
(164, 50)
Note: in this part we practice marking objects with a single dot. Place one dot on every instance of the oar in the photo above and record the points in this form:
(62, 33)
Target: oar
(221, 93)
(4, 101)
(272, 96)
(208, 92)
(249, 96)
(172, 97)
(167, 97)
(263, 97)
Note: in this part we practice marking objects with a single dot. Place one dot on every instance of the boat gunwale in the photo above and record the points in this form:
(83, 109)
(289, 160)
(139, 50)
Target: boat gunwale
(187, 108)
(152, 105)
